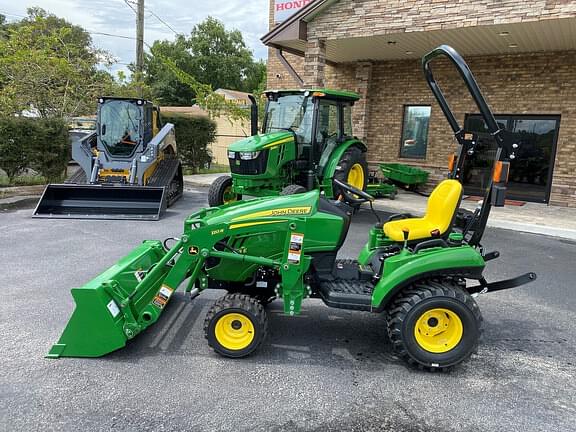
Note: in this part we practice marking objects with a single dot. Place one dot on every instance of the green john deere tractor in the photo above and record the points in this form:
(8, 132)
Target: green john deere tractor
(422, 273)
(306, 143)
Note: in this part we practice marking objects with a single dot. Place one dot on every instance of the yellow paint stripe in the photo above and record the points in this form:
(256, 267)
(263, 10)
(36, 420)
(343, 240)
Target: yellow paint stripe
(247, 224)
(287, 211)
(275, 143)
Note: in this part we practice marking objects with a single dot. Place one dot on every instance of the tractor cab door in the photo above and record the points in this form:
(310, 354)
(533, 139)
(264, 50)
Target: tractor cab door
(328, 131)
(334, 125)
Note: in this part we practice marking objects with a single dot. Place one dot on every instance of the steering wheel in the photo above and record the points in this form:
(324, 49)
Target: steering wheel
(349, 191)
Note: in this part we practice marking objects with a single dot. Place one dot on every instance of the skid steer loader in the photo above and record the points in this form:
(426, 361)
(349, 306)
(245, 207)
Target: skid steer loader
(129, 167)
(422, 273)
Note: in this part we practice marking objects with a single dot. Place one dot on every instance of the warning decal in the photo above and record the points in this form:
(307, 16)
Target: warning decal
(162, 297)
(295, 250)
(139, 275)
(113, 308)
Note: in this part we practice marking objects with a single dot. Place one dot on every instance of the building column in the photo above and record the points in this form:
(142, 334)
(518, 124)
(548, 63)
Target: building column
(314, 63)
(360, 113)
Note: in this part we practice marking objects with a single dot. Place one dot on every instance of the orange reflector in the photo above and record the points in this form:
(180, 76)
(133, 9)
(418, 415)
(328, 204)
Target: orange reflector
(501, 171)
(318, 94)
(451, 162)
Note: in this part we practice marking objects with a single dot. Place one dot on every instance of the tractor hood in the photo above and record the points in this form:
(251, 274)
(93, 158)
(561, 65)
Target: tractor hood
(261, 142)
(246, 212)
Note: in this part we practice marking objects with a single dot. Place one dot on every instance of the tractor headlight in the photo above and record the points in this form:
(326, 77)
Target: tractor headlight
(231, 155)
(249, 155)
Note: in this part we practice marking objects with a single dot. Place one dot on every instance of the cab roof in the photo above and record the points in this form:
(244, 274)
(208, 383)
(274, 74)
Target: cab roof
(330, 93)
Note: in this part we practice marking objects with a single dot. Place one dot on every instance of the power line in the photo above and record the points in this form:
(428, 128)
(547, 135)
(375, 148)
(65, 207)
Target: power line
(130, 6)
(111, 35)
(130, 3)
(164, 22)
(14, 15)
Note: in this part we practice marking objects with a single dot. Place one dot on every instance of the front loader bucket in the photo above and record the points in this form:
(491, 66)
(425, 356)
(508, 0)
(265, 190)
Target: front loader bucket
(108, 307)
(97, 201)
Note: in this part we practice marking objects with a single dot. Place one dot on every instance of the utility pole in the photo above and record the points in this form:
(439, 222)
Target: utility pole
(139, 44)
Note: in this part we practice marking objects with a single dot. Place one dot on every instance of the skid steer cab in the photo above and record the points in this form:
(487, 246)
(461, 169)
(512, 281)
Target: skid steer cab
(306, 143)
(422, 273)
(129, 168)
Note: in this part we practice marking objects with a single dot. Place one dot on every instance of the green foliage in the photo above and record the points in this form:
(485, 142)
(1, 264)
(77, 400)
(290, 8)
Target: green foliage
(166, 87)
(49, 65)
(13, 141)
(193, 135)
(211, 55)
(49, 150)
(40, 144)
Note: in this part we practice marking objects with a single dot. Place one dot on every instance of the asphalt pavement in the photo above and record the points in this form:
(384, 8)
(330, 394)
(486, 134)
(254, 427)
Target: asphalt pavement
(325, 370)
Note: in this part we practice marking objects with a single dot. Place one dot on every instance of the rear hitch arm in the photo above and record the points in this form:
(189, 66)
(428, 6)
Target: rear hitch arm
(485, 287)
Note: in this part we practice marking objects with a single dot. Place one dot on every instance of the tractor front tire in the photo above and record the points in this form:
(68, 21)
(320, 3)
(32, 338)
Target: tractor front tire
(434, 324)
(352, 169)
(292, 189)
(236, 325)
(221, 192)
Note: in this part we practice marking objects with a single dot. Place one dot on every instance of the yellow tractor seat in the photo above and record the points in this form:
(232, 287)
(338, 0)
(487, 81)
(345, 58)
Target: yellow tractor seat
(442, 205)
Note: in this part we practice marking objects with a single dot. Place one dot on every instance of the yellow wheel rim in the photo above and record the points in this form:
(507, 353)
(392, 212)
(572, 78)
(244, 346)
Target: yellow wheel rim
(228, 195)
(356, 176)
(234, 331)
(438, 330)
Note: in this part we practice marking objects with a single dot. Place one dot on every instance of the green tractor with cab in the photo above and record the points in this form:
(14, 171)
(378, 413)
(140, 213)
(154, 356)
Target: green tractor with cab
(422, 273)
(306, 143)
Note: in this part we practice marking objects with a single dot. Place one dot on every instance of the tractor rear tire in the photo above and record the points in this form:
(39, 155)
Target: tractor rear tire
(434, 324)
(293, 189)
(220, 192)
(236, 325)
(353, 169)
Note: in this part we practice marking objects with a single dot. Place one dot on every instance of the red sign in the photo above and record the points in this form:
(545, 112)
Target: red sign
(285, 8)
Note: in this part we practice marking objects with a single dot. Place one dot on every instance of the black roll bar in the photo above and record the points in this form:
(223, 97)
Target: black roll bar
(466, 140)
(470, 81)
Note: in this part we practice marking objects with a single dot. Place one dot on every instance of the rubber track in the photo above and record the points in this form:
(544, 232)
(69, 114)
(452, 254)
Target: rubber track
(164, 172)
(412, 295)
(163, 175)
(238, 301)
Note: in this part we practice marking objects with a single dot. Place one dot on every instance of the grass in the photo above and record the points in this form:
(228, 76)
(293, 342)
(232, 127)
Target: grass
(22, 181)
(214, 169)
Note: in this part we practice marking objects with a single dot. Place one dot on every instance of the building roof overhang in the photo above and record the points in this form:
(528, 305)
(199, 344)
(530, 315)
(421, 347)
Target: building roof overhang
(492, 39)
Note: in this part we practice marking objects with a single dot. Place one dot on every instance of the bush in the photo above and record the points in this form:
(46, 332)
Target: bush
(50, 149)
(193, 135)
(40, 144)
(13, 155)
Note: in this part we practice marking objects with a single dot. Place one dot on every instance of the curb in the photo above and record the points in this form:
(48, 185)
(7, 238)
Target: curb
(546, 230)
(19, 202)
(191, 183)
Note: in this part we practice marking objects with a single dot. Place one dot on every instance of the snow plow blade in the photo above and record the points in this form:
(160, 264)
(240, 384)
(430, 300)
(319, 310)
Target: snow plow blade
(97, 201)
(116, 305)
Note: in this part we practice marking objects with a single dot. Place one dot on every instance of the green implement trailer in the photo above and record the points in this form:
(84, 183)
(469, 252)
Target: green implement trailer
(422, 273)
(306, 143)
(404, 175)
(129, 168)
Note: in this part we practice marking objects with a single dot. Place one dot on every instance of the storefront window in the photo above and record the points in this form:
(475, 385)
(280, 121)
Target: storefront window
(415, 131)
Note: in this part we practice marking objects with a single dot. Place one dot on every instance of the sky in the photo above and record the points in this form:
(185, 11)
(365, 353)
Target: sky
(116, 17)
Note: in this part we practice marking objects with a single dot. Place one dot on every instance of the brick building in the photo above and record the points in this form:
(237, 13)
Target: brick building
(522, 52)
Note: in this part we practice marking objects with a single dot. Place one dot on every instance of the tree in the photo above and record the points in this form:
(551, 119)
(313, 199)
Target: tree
(50, 66)
(211, 55)
(219, 57)
(164, 85)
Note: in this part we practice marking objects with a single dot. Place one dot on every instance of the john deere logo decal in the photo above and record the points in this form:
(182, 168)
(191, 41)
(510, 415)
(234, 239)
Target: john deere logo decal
(287, 211)
(193, 250)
